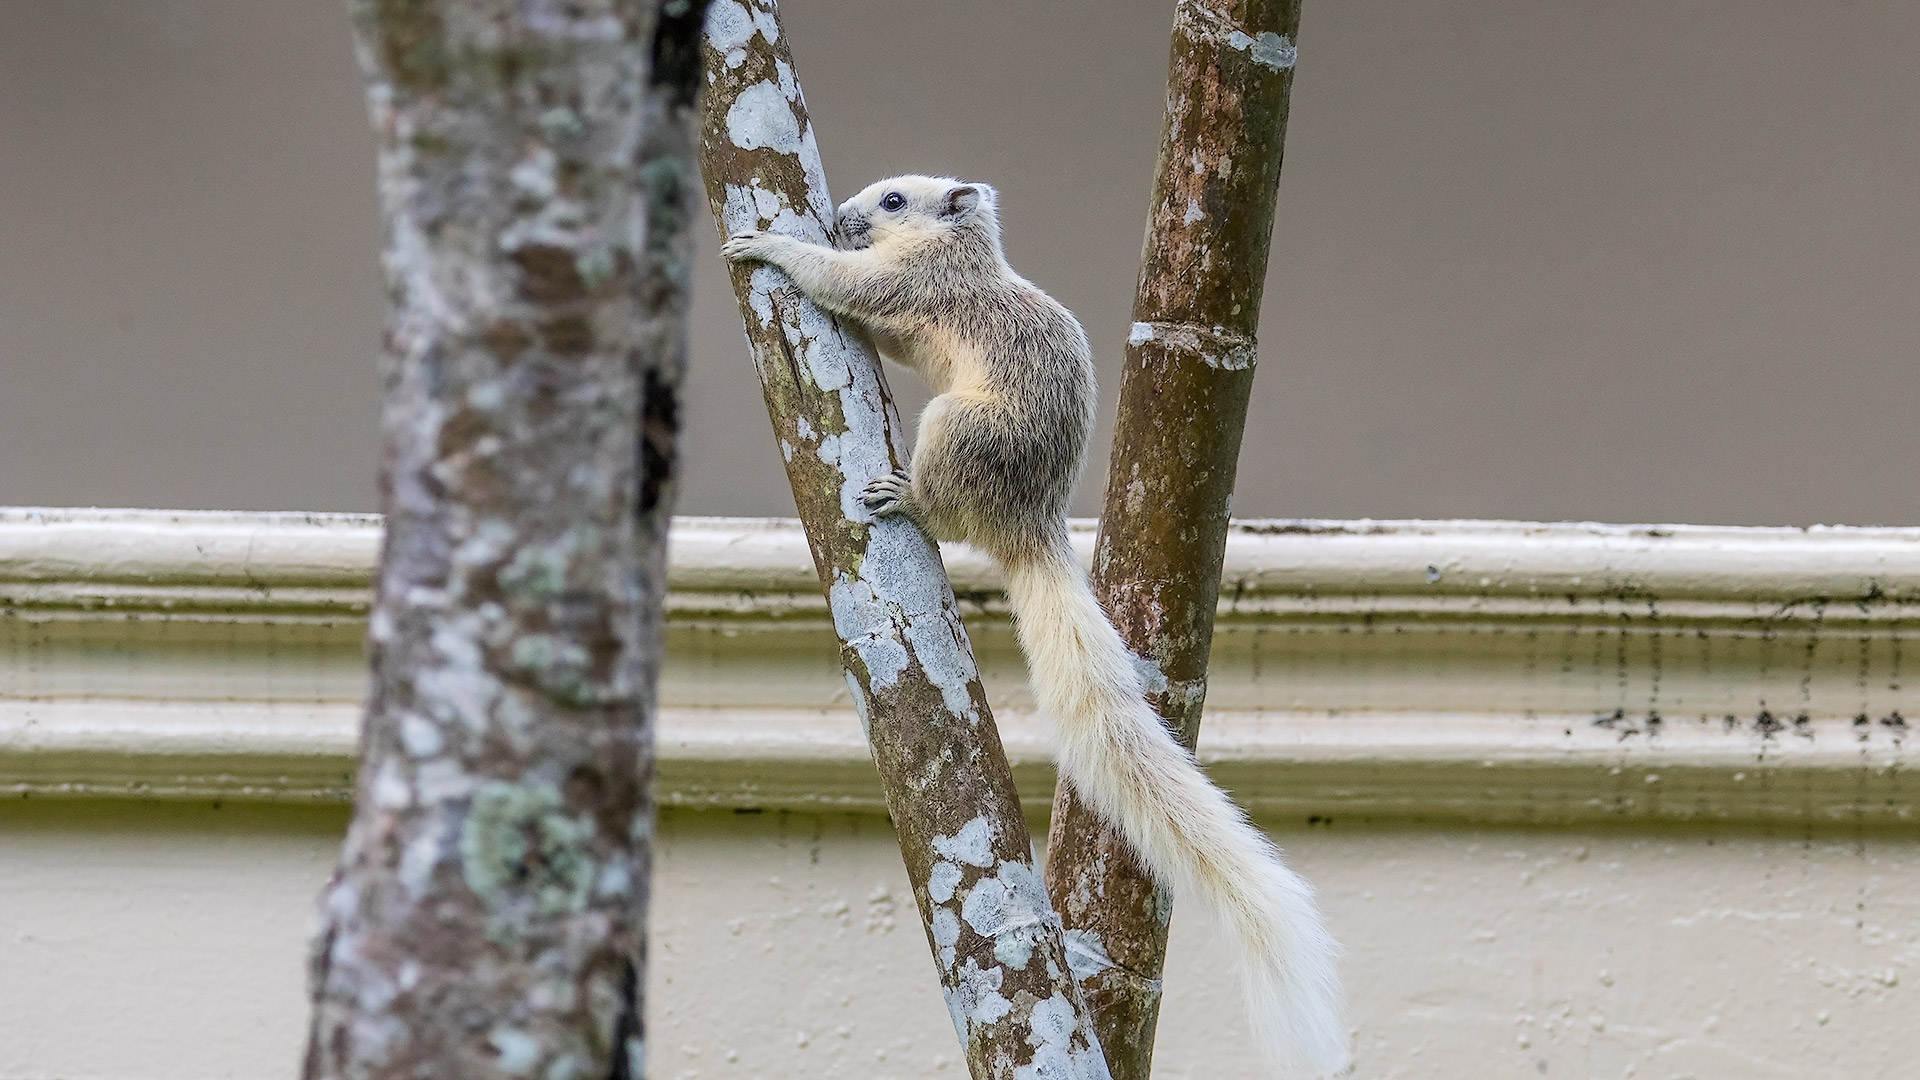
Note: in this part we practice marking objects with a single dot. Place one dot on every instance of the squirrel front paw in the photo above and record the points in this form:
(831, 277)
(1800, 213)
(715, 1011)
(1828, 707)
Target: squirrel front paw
(746, 246)
(887, 495)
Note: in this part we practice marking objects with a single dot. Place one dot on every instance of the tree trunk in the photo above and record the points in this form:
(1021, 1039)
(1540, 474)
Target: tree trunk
(1183, 406)
(910, 670)
(488, 915)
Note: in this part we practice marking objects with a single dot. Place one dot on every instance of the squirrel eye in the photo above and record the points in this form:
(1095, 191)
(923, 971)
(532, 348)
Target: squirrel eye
(893, 201)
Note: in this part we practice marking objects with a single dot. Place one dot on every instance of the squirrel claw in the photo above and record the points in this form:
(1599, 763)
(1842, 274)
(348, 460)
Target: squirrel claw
(887, 495)
(742, 246)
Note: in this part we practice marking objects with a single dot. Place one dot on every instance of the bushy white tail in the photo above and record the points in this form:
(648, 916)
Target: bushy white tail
(1128, 767)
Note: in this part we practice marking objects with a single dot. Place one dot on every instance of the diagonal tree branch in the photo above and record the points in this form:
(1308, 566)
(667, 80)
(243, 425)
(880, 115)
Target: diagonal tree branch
(909, 667)
(1183, 407)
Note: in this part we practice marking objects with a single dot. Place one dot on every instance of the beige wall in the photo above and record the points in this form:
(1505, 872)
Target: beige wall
(1627, 261)
(159, 942)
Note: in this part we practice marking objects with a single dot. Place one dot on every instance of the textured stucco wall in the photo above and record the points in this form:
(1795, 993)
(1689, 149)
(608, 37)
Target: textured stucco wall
(155, 942)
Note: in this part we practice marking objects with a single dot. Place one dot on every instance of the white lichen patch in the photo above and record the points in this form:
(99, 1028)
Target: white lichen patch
(787, 223)
(1214, 346)
(534, 176)
(946, 934)
(1185, 696)
(514, 717)
(456, 640)
(740, 212)
(615, 879)
(766, 23)
(1086, 954)
(760, 286)
(1270, 50)
(491, 537)
(1194, 213)
(1011, 909)
(341, 901)
(896, 564)
(860, 708)
(762, 118)
(1051, 1029)
(972, 845)
(458, 693)
(390, 789)
(518, 1052)
(1153, 680)
(864, 623)
(975, 997)
(422, 857)
(553, 995)
(557, 223)
(828, 450)
(827, 356)
(426, 311)
(817, 199)
(442, 781)
(753, 207)
(568, 22)
(767, 203)
(729, 26)
(942, 880)
(937, 643)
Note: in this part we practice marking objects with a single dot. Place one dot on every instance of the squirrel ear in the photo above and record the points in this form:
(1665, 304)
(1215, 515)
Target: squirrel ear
(961, 201)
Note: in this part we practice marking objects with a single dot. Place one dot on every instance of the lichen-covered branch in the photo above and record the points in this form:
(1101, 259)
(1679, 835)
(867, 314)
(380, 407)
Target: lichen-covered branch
(488, 915)
(1183, 406)
(909, 668)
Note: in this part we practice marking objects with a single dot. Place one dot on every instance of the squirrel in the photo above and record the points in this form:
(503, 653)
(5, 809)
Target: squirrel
(921, 271)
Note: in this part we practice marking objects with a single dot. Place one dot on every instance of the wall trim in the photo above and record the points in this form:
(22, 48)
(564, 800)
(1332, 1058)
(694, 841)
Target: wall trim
(1477, 671)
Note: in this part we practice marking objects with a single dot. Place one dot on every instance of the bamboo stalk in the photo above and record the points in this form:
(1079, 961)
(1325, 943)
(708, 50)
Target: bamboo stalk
(1183, 407)
(488, 918)
(909, 666)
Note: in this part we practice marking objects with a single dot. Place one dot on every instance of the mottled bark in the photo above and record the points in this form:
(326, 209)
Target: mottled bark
(1183, 406)
(909, 667)
(488, 915)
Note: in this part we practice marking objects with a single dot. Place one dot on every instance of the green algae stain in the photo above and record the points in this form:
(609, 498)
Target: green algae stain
(521, 851)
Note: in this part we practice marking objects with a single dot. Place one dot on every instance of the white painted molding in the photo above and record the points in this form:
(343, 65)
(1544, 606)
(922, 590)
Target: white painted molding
(1484, 671)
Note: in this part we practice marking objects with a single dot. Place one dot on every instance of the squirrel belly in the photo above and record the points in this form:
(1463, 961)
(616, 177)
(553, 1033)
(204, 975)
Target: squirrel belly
(1000, 446)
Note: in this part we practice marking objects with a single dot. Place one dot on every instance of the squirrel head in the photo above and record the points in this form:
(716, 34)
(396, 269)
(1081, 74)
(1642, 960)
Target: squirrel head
(911, 210)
